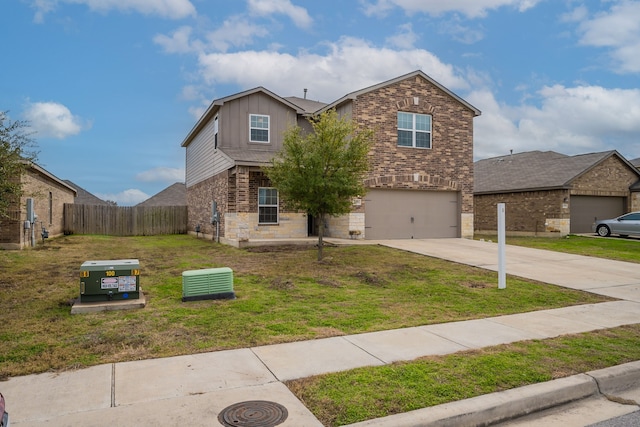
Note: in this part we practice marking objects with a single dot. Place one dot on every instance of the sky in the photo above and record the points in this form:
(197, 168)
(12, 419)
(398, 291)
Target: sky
(111, 88)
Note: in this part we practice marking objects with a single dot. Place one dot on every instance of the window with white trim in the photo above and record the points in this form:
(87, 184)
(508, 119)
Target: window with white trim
(258, 128)
(414, 130)
(267, 205)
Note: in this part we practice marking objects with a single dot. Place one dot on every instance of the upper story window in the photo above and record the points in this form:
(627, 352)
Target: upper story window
(414, 130)
(267, 205)
(258, 128)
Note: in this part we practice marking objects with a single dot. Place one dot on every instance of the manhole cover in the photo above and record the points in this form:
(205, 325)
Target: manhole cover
(253, 413)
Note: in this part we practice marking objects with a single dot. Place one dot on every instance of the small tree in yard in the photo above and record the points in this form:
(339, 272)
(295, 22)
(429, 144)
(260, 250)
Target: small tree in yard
(15, 156)
(321, 172)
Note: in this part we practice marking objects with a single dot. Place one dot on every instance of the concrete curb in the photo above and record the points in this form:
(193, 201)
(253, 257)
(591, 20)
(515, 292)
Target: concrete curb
(617, 379)
(503, 406)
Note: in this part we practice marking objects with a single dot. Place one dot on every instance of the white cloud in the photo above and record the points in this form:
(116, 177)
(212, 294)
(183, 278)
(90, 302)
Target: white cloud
(125, 198)
(570, 120)
(172, 9)
(179, 41)
(297, 14)
(161, 174)
(469, 8)
(405, 38)
(349, 64)
(618, 29)
(236, 31)
(578, 14)
(51, 119)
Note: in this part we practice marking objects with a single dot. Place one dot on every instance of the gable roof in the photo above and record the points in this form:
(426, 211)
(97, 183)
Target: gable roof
(535, 170)
(217, 103)
(354, 95)
(42, 171)
(83, 197)
(173, 195)
(636, 162)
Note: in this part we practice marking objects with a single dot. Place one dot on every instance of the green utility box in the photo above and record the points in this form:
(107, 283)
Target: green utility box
(109, 280)
(209, 283)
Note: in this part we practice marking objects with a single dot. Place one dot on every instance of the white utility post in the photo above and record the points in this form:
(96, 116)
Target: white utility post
(502, 275)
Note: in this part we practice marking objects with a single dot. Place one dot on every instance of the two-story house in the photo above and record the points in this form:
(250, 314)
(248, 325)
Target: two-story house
(420, 184)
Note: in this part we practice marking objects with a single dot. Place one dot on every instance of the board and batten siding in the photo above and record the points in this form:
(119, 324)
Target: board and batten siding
(234, 122)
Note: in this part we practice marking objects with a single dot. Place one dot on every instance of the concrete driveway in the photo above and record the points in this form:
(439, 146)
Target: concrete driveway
(616, 279)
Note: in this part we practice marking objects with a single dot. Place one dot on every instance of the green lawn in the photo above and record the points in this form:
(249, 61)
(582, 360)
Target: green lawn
(618, 248)
(283, 294)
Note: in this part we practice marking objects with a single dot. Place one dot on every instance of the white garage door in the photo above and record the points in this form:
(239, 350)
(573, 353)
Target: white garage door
(411, 214)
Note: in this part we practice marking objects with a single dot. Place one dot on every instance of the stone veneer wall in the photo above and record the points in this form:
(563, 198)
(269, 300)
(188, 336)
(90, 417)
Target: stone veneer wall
(349, 226)
(243, 226)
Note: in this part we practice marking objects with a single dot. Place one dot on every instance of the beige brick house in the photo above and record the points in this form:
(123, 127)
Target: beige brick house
(49, 195)
(549, 193)
(421, 179)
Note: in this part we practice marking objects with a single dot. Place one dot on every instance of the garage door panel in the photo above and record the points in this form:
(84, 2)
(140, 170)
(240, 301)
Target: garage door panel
(584, 209)
(406, 214)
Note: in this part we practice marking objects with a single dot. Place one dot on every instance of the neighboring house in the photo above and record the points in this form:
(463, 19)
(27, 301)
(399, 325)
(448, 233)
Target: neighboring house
(83, 197)
(636, 163)
(174, 195)
(420, 183)
(548, 192)
(49, 195)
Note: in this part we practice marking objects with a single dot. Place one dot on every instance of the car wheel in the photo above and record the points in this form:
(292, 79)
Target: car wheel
(603, 231)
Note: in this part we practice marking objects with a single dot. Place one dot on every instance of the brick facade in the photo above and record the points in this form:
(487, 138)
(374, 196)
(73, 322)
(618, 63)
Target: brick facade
(199, 198)
(448, 165)
(49, 197)
(527, 212)
(610, 178)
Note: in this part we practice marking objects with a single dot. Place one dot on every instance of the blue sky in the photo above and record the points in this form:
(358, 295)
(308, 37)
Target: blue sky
(112, 87)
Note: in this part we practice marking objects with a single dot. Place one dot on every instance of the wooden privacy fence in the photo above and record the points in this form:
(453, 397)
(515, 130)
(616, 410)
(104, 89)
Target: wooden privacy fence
(124, 220)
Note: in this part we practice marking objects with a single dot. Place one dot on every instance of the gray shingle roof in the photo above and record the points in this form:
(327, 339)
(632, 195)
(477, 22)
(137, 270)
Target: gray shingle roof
(307, 105)
(83, 197)
(533, 170)
(174, 195)
(636, 162)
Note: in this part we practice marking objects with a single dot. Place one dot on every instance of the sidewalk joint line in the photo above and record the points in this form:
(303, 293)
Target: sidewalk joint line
(346, 338)
(265, 365)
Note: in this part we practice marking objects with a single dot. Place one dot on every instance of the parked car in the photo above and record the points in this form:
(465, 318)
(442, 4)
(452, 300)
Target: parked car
(623, 225)
(4, 416)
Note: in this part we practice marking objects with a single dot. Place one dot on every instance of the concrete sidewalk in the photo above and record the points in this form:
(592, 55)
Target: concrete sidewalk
(192, 390)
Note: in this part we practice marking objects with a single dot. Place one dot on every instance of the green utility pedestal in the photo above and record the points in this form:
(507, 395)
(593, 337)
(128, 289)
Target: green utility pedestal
(114, 280)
